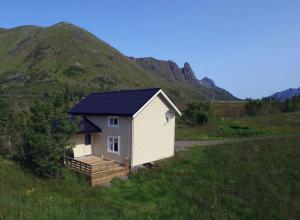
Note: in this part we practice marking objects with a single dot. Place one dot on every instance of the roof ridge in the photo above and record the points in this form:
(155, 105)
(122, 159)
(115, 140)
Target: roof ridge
(123, 102)
(126, 90)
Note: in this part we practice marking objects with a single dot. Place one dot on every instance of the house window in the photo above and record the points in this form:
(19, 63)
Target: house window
(113, 121)
(113, 144)
(87, 139)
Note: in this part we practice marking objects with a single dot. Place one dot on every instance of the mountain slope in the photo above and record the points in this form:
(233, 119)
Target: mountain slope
(286, 94)
(170, 71)
(36, 60)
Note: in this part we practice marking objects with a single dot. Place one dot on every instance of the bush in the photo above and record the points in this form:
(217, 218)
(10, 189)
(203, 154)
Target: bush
(197, 113)
(290, 105)
(46, 137)
(271, 105)
(253, 107)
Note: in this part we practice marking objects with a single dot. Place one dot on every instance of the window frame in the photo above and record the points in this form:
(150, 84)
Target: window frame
(90, 139)
(113, 125)
(108, 144)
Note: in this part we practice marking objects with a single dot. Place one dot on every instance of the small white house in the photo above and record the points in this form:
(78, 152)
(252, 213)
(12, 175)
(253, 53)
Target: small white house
(131, 126)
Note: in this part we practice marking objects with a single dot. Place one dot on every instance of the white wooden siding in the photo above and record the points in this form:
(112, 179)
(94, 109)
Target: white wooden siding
(80, 148)
(153, 136)
(123, 132)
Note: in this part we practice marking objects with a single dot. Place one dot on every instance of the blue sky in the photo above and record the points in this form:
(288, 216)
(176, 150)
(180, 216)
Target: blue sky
(250, 47)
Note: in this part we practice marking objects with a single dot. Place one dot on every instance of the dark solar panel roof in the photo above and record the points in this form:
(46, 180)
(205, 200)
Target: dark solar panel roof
(126, 102)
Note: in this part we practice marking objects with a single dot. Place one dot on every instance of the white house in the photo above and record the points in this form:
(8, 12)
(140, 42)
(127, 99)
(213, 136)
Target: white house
(130, 126)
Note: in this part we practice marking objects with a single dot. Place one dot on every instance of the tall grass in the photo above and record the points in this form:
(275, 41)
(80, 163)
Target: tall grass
(252, 180)
(268, 125)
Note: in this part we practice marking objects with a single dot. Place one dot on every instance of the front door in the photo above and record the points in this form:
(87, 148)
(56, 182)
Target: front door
(87, 149)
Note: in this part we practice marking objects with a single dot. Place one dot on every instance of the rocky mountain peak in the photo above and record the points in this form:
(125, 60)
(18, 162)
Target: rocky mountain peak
(208, 82)
(173, 66)
(188, 72)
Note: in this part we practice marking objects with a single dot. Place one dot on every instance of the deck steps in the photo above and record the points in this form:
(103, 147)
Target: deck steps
(100, 180)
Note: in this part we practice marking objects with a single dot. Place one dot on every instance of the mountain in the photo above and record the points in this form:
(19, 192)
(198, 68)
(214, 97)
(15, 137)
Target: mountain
(286, 94)
(170, 71)
(36, 60)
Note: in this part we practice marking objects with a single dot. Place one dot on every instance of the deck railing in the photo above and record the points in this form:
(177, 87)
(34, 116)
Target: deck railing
(89, 169)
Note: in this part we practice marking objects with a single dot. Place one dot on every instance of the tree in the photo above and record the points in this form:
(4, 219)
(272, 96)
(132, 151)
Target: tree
(12, 122)
(46, 137)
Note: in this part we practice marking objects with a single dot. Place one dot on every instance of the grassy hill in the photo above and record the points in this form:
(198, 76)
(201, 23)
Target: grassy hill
(35, 60)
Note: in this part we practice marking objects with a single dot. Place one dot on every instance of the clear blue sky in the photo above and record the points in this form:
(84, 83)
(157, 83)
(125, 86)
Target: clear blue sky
(250, 47)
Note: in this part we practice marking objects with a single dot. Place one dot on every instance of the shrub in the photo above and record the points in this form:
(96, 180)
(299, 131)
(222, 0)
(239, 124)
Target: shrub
(290, 105)
(271, 105)
(253, 107)
(46, 138)
(197, 113)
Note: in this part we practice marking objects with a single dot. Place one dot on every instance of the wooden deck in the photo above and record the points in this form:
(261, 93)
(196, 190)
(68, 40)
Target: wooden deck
(96, 169)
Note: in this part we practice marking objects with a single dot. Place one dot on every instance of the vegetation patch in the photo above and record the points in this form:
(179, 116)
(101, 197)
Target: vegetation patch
(255, 107)
(266, 125)
(74, 71)
(249, 180)
(38, 138)
(239, 131)
(239, 127)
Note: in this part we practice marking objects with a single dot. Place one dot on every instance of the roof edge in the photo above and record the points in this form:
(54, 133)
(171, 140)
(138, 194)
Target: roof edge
(95, 114)
(92, 123)
(160, 91)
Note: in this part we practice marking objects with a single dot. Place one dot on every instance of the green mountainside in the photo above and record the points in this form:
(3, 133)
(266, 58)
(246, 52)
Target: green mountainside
(36, 60)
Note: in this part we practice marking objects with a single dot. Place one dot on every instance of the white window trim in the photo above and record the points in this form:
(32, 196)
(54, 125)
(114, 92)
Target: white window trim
(108, 121)
(119, 144)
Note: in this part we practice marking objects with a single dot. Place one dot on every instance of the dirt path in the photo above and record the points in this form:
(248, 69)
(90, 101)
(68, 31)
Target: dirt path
(183, 145)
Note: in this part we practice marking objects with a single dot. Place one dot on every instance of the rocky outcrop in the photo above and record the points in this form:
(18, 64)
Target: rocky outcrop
(188, 73)
(177, 73)
(170, 71)
(207, 82)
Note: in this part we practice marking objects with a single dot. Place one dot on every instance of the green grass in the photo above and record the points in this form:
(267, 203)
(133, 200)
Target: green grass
(268, 125)
(252, 180)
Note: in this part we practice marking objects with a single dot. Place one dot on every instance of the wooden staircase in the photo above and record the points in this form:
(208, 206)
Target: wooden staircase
(97, 170)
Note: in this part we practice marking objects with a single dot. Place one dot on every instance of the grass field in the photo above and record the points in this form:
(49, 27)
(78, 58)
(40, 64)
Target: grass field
(252, 180)
(228, 109)
(267, 125)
